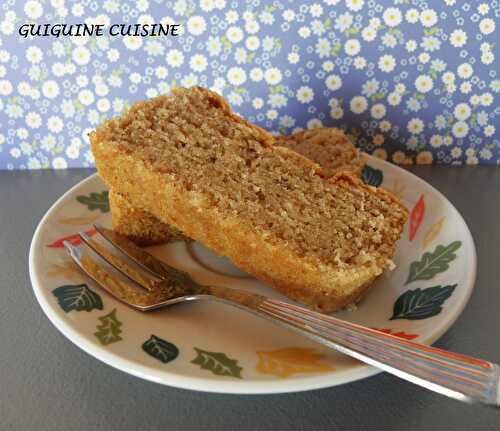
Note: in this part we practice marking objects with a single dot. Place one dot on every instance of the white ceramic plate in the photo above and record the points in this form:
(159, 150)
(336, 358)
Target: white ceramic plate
(215, 348)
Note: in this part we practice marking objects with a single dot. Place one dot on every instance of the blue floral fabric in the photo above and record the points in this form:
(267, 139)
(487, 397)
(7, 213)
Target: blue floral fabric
(412, 81)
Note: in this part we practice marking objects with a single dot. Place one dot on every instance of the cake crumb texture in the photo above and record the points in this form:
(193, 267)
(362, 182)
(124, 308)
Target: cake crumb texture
(189, 161)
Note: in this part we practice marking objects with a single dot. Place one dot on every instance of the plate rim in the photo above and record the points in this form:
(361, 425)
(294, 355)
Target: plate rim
(211, 385)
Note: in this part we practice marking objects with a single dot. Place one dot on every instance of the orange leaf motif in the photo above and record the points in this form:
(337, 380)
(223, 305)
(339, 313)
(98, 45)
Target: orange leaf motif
(291, 360)
(79, 221)
(416, 217)
(73, 239)
(400, 334)
(433, 232)
(66, 269)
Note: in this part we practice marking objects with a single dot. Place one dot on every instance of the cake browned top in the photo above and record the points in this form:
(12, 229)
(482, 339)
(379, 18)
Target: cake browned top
(193, 139)
(327, 146)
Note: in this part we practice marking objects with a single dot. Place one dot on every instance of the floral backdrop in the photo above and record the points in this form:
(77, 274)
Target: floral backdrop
(412, 81)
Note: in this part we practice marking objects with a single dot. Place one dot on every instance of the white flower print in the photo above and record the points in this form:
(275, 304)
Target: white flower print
(304, 32)
(428, 17)
(252, 27)
(50, 89)
(236, 76)
(369, 34)
(424, 83)
(55, 124)
(392, 17)
(234, 34)
(394, 99)
(198, 63)
(33, 120)
(487, 26)
(333, 82)
(378, 111)
(323, 48)
(358, 104)
(305, 94)
(132, 42)
(59, 163)
(386, 63)
(460, 129)
(412, 15)
(196, 25)
(436, 141)
(273, 76)
(33, 9)
(293, 58)
(352, 47)
(411, 46)
(252, 43)
(289, 15)
(355, 5)
(487, 58)
(486, 99)
(175, 58)
(415, 126)
(344, 21)
(86, 97)
(370, 87)
(489, 130)
(258, 103)
(462, 111)
(232, 16)
(5, 87)
(464, 70)
(81, 55)
(256, 74)
(359, 62)
(458, 38)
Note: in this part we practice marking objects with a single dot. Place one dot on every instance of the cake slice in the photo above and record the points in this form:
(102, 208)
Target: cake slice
(189, 161)
(329, 147)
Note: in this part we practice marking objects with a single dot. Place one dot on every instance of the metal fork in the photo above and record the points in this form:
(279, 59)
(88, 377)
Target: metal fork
(145, 283)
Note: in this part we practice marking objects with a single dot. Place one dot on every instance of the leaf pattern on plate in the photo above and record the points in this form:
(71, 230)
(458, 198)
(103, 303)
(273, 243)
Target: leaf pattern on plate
(421, 303)
(291, 360)
(433, 263)
(397, 188)
(160, 349)
(218, 363)
(417, 216)
(95, 201)
(108, 331)
(66, 269)
(433, 232)
(77, 297)
(372, 176)
(79, 221)
(399, 334)
(73, 239)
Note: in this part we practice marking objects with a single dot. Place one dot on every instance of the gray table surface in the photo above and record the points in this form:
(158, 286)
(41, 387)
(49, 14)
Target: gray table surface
(47, 383)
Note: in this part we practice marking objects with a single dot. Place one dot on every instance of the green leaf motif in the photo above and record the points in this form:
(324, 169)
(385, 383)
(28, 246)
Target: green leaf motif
(95, 201)
(372, 176)
(421, 303)
(77, 297)
(218, 363)
(160, 349)
(108, 331)
(433, 263)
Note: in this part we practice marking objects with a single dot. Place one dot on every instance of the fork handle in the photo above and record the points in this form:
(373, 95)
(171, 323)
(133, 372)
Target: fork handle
(457, 376)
